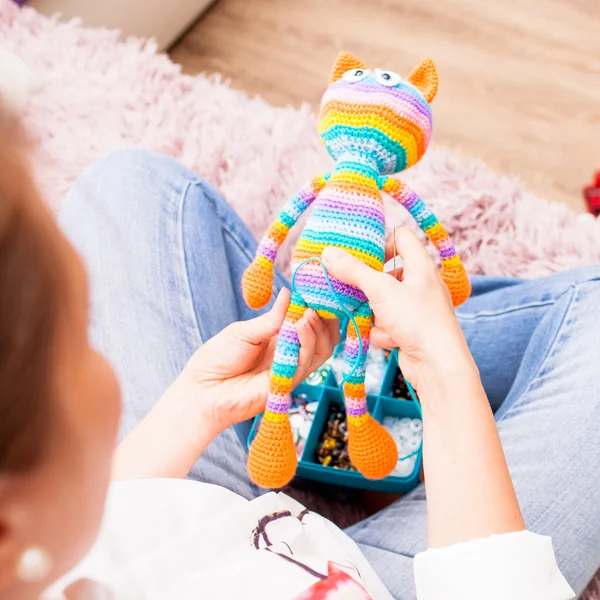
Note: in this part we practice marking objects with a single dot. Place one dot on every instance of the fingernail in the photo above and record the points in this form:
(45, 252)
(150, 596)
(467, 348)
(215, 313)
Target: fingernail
(332, 253)
(310, 314)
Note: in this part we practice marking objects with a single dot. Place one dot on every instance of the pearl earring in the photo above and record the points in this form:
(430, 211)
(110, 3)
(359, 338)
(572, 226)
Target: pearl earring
(34, 565)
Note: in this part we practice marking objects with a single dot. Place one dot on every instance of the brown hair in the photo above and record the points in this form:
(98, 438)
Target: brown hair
(29, 283)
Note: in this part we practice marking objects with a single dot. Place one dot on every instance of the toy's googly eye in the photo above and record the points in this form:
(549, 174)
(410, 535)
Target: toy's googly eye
(387, 78)
(355, 75)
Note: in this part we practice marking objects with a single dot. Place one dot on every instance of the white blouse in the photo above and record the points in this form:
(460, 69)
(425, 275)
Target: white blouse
(179, 539)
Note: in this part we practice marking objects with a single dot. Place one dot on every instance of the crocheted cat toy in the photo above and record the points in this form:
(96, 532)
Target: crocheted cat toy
(373, 123)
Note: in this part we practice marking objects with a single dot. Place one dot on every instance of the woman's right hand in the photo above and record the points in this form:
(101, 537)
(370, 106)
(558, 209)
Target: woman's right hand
(413, 311)
(469, 490)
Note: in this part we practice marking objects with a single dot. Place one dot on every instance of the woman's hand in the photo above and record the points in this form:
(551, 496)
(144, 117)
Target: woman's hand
(225, 382)
(413, 311)
(469, 491)
(228, 377)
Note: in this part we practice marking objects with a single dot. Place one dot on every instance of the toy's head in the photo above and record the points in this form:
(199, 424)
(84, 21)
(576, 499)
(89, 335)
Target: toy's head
(377, 114)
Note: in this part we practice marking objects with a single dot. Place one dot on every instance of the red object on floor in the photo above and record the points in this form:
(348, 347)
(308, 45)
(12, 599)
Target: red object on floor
(591, 193)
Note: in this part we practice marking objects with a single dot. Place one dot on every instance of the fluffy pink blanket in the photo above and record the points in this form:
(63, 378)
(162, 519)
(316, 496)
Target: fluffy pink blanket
(99, 95)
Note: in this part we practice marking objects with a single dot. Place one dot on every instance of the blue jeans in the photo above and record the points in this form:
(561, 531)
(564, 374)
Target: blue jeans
(165, 255)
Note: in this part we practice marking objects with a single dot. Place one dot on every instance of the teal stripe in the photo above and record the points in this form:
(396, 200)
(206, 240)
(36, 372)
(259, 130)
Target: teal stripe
(284, 370)
(348, 165)
(286, 219)
(338, 239)
(427, 222)
(356, 378)
(371, 133)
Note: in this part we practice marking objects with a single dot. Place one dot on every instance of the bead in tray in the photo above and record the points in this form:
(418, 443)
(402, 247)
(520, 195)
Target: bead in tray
(408, 435)
(399, 387)
(319, 377)
(332, 450)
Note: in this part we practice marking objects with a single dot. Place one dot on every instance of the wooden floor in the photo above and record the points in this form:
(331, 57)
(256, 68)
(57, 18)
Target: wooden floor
(519, 79)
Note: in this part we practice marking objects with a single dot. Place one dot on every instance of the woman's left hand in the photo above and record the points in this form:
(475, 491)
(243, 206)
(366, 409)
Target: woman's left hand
(224, 383)
(228, 377)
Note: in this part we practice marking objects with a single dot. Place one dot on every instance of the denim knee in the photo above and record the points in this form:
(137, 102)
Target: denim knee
(124, 163)
(579, 275)
(119, 186)
(135, 166)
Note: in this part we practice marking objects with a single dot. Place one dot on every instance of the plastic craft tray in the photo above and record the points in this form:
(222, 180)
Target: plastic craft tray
(380, 405)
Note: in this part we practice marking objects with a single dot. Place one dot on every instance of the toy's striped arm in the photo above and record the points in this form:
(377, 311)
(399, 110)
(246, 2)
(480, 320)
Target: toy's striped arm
(453, 271)
(257, 283)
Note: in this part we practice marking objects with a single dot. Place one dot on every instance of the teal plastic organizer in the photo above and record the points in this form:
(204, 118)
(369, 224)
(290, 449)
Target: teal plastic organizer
(380, 405)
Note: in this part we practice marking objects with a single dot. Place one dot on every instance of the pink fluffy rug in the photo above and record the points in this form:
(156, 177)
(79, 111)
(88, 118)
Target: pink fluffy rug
(99, 95)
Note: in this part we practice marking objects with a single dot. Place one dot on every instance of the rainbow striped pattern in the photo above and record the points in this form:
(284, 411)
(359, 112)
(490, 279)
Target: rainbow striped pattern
(390, 127)
(373, 124)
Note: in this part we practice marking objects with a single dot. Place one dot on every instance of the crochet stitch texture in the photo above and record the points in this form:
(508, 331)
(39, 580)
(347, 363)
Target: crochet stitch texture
(374, 124)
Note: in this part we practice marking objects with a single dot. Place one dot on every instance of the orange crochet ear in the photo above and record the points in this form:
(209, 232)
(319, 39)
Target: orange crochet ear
(425, 79)
(344, 62)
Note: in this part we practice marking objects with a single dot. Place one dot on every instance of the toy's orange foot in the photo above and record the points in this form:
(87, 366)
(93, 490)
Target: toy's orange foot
(372, 449)
(257, 284)
(458, 283)
(272, 457)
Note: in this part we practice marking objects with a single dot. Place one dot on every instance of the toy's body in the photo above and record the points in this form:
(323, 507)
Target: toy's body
(373, 125)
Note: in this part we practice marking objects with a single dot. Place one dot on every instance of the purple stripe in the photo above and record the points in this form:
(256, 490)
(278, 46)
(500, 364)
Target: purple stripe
(277, 408)
(447, 253)
(411, 201)
(289, 335)
(268, 253)
(305, 196)
(317, 280)
(352, 345)
(343, 207)
(356, 412)
(351, 351)
(403, 93)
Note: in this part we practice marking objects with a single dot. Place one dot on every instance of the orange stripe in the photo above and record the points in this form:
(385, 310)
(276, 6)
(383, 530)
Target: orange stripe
(437, 233)
(393, 187)
(278, 232)
(280, 385)
(294, 313)
(354, 390)
(343, 183)
(317, 184)
(363, 328)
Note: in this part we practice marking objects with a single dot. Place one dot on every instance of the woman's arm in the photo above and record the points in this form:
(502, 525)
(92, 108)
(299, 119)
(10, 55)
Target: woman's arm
(168, 441)
(469, 490)
(224, 383)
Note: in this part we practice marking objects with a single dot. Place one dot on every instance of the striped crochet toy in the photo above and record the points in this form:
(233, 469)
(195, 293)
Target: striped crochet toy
(373, 123)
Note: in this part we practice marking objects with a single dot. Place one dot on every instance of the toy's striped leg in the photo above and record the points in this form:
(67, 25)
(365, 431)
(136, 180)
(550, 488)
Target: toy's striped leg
(371, 448)
(272, 457)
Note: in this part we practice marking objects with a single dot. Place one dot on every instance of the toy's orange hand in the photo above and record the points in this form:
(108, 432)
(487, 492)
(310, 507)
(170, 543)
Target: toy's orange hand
(257, 283)
(457, 281)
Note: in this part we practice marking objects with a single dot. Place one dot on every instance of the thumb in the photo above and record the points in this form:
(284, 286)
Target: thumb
(264, 327)
(348, 269)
